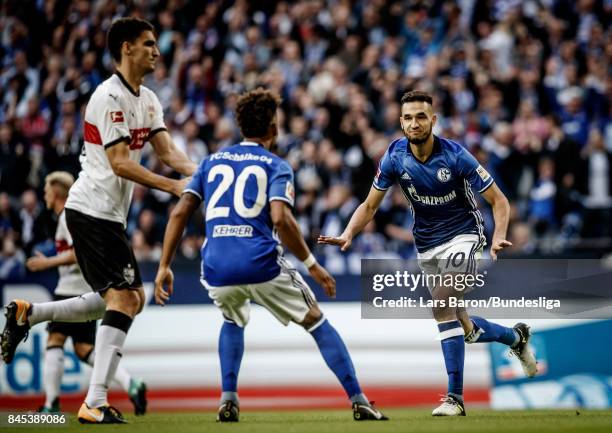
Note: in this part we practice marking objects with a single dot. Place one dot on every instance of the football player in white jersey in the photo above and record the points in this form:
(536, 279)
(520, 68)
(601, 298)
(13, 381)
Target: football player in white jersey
(121, 116)
(71, 283)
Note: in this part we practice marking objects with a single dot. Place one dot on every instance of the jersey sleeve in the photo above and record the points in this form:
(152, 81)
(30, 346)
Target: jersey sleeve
(63, 240)
(62, 232)
(281, 184)
(385, 176)
(196, 184)
(112, 121)
(469, 168)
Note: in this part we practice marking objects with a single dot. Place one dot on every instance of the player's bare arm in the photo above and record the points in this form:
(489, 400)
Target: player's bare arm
(501, 215)
(174, 231)
(362, 216)
(171, 155)
(290, 235)
(40, 262)
(123, 166)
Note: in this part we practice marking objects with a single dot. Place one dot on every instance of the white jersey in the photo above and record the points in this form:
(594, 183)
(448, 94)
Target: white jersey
(71, 281)
(114, 113)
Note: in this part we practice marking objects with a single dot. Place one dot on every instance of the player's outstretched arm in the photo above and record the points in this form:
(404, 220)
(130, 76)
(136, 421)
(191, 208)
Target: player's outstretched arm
(290, 235)
(361, 217)
(119, 158)
(174, 231)
(171, 155)
(501, 215)
(40, 262)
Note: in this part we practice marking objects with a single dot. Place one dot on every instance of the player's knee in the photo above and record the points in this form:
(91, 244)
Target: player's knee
(56, 339)
(442, 314)
(312, 317)
(129, 302)
(83, 350)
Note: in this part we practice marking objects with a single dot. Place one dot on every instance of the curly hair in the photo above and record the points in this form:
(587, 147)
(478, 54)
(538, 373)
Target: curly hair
(255, 111)
(416, 96)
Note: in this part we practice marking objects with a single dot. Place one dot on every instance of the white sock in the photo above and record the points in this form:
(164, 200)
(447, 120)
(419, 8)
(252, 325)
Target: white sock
(122, 377)
(82, 308)
(53, 370)
(109, 342)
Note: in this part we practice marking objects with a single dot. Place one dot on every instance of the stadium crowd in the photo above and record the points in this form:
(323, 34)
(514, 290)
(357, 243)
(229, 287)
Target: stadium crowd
(524, 85)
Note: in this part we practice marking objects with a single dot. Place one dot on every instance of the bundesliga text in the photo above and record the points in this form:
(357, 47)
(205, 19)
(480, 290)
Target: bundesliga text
(455, 302)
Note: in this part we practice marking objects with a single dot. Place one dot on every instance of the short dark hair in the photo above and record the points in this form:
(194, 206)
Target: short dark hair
(125, 30)
(255, 111)
(416, 96)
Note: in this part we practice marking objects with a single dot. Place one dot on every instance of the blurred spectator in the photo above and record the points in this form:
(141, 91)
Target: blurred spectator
(32, 222)
(522, 238)
(147, 237)
(395, 219)
(598, 201)
(10, 222)
(189, 142)
(542, 198)
(12, 260)
(14, 161)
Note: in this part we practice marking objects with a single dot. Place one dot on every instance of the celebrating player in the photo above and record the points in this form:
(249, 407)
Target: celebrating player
(120, 117)
(437, 176)
(71, 283)
(249, 194)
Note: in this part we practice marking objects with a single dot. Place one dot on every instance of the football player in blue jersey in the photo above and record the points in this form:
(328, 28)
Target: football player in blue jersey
(249, 194)
(437, 177)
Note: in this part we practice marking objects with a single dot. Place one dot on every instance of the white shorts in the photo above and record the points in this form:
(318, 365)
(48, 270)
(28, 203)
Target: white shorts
(459, 255)
(287, 297)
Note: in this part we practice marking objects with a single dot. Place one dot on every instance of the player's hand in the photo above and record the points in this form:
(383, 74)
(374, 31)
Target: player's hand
(323, 279)
(498, 245)
(37, 263)
(343, 241)
(180, 185)
(164, 277)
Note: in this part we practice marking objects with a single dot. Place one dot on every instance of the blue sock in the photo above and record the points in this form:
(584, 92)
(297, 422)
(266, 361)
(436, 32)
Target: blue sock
(231, 348)
(453, 349)
(336, 357)
(489, 331)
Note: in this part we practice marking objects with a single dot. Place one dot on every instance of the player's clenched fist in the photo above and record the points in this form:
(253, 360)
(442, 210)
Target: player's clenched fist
(164, 277)
(343, 241)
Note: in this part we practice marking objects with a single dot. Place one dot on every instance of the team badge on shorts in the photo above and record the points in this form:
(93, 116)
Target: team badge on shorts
(443, 174)
(128, 274)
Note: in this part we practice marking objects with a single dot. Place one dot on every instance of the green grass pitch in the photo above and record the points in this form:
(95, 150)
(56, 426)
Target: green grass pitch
(402, 420)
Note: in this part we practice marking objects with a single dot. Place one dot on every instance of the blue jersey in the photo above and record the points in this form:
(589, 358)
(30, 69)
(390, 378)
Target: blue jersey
(439, 189)
(237, 185)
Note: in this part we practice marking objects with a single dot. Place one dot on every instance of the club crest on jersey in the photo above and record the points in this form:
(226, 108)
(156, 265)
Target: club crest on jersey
(128, 274)
(116, 116)
(151, 112)
(443, 174)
